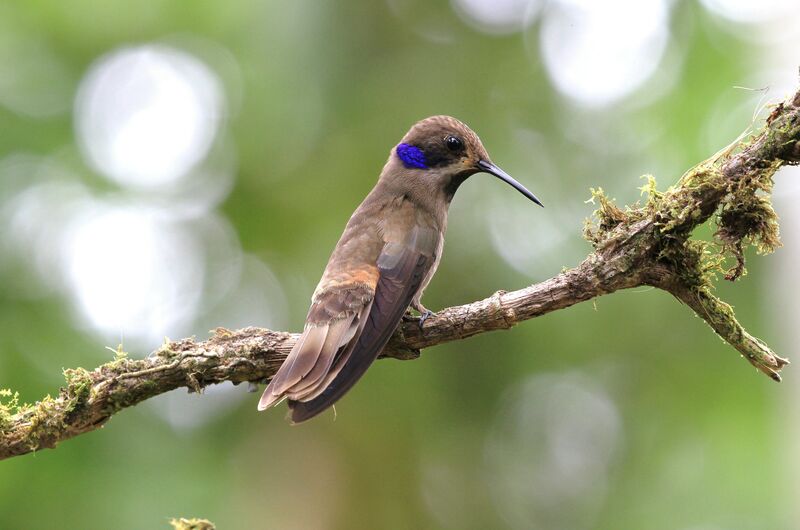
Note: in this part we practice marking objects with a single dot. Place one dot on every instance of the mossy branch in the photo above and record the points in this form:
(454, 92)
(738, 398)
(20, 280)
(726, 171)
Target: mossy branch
(647, 244)
(192, 524)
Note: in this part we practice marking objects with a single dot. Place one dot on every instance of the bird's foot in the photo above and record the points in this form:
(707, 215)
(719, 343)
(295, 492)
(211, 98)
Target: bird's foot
(425, 315)
(424, 312)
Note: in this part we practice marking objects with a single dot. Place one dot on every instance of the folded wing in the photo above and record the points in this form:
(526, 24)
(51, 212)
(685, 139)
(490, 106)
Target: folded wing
(347, 328)
(333, 322)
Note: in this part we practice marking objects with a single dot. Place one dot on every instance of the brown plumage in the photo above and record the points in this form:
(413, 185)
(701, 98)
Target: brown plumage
(385, 258)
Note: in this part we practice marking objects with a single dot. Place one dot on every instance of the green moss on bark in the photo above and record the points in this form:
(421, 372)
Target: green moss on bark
(192, 524)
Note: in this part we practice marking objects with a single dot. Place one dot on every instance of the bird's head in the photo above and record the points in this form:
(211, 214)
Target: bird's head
(441, 152)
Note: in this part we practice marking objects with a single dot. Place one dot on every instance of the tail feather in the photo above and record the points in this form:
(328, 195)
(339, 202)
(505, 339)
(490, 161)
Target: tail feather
(298, 363)
(326, 358)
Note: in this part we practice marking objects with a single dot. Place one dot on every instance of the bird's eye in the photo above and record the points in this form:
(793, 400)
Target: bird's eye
(454, 143)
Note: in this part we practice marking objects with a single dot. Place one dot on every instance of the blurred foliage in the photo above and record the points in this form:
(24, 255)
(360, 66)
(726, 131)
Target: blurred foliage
(319, 95)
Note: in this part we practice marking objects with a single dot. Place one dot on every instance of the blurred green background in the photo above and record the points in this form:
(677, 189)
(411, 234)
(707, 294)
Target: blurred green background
(169, 167)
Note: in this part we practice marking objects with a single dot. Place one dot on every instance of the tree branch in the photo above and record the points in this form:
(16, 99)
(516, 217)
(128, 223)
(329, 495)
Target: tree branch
(648, 244)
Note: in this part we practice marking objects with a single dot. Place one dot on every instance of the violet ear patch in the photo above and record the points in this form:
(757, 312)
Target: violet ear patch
(412, 156)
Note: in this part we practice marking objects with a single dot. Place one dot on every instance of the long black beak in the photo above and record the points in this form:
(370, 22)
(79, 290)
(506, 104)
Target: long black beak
(488, 167)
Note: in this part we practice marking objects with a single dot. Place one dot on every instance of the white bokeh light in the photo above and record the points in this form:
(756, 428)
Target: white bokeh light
(498, 16)
(137, 266)
(749, 11)
(133, 273)
(147, 115)
(532, 243)
(257, 299)
(765, 22)
(598, 52)
(550, 450)
(185, 411)
(34, 221)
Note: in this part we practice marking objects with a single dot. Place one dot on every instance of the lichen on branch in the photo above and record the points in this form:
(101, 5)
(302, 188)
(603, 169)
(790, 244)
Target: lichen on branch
(191, 524)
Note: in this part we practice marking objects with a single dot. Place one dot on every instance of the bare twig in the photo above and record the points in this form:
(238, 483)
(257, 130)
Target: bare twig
(647, 244)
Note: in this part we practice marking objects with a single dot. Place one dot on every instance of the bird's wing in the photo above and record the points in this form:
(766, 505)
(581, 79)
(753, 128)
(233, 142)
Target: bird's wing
(335, 317)
(402, 267)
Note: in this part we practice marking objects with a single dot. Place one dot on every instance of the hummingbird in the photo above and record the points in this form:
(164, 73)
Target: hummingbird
(383, 261)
